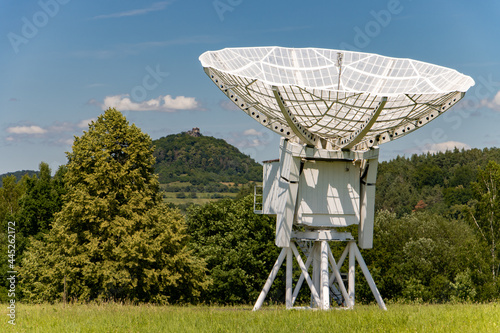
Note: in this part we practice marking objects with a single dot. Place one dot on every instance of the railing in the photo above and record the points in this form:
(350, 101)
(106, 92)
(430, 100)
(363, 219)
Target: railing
(258, 199)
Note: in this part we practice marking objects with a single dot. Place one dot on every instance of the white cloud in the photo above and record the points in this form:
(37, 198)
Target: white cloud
(157, 6)
(492, 103)
(26, 130)
(252, 132)
(95, 85)
(162, 103)
(85, 123)
(122, 49)
(180, 102)
(59, 127)
(228, 105)
(56, 134)
(66, 142)
(250, 138)
(243, 143)
(438, 147)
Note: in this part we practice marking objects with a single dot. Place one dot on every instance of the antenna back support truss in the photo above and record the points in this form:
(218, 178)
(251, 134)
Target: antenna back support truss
(326, 278)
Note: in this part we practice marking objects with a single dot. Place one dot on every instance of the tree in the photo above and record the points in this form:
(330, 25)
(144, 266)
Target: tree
(10, 192)
(424, 256)
(238, 247)
(420, 205)
(41, 200)
(484, 212)
(113, 238)
(442, 180)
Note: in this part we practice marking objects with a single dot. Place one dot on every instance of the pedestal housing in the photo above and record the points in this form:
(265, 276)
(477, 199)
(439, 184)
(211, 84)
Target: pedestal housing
(318, 188)
(313, 192)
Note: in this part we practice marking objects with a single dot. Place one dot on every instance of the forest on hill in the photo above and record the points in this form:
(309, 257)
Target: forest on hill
(439, 182)
(201, 160)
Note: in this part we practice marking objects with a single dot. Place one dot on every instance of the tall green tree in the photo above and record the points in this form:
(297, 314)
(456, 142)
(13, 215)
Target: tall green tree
(42, 198)
(238, 247)
(10, 192)
(484, 211)
(113, 238)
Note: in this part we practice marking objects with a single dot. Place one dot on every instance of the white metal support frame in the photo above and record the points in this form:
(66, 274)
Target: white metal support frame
(303, 134)
(325, 277)
(351, 272)
(328, 275)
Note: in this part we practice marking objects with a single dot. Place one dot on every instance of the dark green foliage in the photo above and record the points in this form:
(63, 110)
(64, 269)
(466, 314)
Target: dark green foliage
(483, 212)
(247, 189)
(238, 247)
(113, 239)
(425, 257)
(455, 184)
(10, 193)
(18, 175)
(33, 202)
(442, 180)
(202, 160)
(41, 200)
(435, 235)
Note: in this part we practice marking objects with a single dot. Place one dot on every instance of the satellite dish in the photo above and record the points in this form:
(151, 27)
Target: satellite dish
(333, 108)
(349, 99)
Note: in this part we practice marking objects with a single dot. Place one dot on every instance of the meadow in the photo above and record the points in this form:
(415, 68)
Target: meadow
(148, 318)
(201, 198)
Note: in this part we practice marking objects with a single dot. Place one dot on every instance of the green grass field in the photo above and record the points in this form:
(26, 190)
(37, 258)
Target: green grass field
(148, 318)
(202, 198)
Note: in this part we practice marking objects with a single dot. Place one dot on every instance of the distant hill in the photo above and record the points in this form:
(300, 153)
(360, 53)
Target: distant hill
(200, 160)
(18, 174)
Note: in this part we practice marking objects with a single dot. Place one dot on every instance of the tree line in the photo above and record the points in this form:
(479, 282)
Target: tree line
(97, 230)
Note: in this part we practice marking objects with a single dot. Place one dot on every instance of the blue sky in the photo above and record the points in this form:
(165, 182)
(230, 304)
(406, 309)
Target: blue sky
(63, 61)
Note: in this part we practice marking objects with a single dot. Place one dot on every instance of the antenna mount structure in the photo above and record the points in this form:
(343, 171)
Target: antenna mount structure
(333, 109)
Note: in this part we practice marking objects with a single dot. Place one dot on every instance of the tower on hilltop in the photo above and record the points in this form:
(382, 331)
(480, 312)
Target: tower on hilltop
(194, 132)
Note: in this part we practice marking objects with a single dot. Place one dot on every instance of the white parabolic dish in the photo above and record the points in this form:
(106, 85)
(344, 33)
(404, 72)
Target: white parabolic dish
(333, 98)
